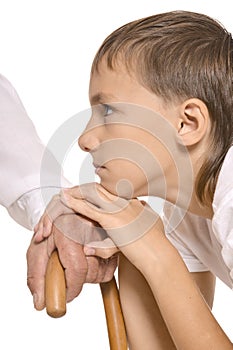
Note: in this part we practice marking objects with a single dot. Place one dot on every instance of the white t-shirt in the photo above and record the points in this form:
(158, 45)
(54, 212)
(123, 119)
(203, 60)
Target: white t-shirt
(21, 154)
(207, 245)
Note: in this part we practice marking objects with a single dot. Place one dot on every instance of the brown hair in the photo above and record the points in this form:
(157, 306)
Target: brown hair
(182, 55)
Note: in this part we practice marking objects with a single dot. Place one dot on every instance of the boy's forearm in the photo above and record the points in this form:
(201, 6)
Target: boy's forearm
(187, 316)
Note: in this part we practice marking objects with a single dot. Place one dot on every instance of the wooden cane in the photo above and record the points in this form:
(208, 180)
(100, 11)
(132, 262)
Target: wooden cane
(114, 316)
(55, 299)
(55, 287)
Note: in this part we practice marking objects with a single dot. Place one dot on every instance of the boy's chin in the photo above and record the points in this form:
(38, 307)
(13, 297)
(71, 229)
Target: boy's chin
(123, 188)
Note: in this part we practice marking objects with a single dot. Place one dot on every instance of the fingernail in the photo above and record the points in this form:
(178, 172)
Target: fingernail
(35, 299)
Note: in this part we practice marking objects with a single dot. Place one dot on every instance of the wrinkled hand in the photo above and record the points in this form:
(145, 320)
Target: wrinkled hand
(69, 234)
(54, 209)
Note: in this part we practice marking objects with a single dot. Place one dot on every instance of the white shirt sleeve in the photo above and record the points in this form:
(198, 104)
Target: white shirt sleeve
(21, 154)
(28, 209)
(222, 222)
(183, 229)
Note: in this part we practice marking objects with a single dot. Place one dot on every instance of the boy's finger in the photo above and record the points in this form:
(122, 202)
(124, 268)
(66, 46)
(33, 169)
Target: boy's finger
(96, 195)
(104, 249)
(82, 207)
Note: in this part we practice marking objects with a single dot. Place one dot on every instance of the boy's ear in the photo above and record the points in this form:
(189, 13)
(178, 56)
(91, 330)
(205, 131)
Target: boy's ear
(193, 121)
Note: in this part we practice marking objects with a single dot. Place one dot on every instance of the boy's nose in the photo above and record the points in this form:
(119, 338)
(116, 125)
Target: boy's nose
(88, 141)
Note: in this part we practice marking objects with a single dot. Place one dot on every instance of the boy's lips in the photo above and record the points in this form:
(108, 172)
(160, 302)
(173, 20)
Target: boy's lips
(98, 167)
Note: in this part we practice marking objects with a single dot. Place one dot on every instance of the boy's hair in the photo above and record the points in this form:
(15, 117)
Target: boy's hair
(182, 55)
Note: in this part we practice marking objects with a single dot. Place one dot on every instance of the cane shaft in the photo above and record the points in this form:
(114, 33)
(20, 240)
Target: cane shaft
(114, 316)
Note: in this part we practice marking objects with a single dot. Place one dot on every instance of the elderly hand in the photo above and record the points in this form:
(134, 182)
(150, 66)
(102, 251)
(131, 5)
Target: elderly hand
(54, 209)
(70, 232)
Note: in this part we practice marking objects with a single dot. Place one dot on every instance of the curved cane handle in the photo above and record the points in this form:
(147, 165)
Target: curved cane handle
(55, 287)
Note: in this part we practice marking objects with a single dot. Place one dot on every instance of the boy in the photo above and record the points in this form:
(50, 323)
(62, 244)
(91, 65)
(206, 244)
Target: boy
(174, 69)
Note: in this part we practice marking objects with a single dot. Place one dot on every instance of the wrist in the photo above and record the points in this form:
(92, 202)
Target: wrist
(126, 232)
(144, 252)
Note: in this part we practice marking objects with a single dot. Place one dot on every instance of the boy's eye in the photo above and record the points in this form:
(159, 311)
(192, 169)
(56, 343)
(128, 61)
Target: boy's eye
(107, 110)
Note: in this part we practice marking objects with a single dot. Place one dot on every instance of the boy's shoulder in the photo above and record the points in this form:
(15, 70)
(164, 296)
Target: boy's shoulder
(224, 187)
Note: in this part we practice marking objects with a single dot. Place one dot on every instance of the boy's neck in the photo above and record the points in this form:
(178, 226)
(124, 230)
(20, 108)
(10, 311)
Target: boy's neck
(184, 196)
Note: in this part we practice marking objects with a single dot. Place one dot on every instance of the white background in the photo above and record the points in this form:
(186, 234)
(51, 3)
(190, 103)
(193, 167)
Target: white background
(46, 49)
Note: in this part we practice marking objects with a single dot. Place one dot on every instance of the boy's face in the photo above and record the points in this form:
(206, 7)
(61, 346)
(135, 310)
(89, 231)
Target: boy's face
(131, 135)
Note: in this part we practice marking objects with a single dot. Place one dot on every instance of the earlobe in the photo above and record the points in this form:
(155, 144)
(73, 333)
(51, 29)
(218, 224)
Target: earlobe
(193, 121)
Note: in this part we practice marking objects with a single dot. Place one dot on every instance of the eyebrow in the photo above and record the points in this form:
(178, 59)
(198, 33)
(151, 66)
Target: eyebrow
(101, 97)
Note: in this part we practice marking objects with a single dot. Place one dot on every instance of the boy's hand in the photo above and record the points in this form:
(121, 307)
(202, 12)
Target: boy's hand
(124, 220)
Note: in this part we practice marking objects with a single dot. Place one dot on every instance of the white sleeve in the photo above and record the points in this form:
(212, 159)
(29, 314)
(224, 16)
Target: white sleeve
(222, 225)
(222, 222)
(28, 209)
(182, 229)
(21, 154)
